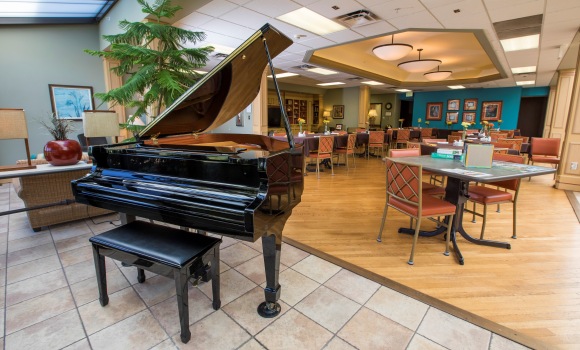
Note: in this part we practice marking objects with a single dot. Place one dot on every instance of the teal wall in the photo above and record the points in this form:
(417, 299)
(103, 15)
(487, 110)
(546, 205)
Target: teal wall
(510, 97)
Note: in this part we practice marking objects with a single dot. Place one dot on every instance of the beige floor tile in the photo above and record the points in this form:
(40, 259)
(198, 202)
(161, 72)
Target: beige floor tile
(257, 245)
(73, 242)
(243, 311)
(69, 229)
(28, 242)
(33, 268)
(130, 272)
(251, 344)
(85, 269)
(317, 269)
(299, 331)
(3, 261)
(419, 342)
(155, 289)
(295, 286)
(369, 330)
(352, 286)
(75, 256)
(29, 254)
(33, 287)
(237, 254)
(338, 344)
(232, 285)
(2, 277)
(3, 247)
(140, 331)
(2, 297)
(2, 323)
(166, 312)
(328, 308)
(54, 333)
(122, 304)
(165, 345)
(86, 290)
(216, 331)
(254, 269)
(455, 334)
(103, 223)
(38, 309)
(398, 307)
(290, 255)
(23, 232)
(82, 344)
(500, 343)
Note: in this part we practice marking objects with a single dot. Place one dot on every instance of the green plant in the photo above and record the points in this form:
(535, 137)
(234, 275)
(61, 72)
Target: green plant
(57, 127)
(152, 57)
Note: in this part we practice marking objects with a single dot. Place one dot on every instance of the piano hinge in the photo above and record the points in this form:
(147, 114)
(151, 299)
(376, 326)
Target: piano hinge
(154, 138)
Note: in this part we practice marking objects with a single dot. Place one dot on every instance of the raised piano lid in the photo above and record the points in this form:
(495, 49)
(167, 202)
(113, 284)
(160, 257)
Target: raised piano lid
(222, 93)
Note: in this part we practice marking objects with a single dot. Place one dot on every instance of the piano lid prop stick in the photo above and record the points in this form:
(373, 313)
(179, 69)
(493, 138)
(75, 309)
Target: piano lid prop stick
(282, 109)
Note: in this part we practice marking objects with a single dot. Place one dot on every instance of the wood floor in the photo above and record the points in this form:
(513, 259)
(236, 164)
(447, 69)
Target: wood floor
(530, 294)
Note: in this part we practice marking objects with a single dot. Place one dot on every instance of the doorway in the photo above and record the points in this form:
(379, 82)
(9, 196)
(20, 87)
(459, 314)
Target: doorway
(406, 113)
(532, 115)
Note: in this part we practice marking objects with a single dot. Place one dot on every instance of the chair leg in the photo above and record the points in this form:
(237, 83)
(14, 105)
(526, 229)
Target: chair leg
(331, 166)
(473, 217)
(447, 238)
(318, 168)
(383, 221)
(180, 277)
(483, 220)
(415, 237)
(514, 236)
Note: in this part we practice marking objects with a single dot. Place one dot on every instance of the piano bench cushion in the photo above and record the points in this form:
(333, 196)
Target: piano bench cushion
(157, 243)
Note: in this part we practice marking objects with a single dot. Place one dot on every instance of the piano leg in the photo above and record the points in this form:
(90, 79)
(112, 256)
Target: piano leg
(271, 247)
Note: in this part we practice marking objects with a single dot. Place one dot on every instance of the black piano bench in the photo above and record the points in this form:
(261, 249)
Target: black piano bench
(166, 251)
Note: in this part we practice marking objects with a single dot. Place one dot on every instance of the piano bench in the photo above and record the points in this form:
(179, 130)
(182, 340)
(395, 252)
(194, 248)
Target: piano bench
(166, 251)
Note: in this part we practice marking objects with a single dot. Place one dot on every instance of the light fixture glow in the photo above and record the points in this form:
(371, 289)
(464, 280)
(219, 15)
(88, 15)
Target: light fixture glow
(330, 84)
(283, 75)
(373, 113)
(521, 70)
(521, 43)
(526, 82)
(419, 66)
(392, 51)
(326, 114)
(455, 87)
(403, 90)
(311, 21)
(438, 75)
(199, 72)
(322, 71)
(371, 82)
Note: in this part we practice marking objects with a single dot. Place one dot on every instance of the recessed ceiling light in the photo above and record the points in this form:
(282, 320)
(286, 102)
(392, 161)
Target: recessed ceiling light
(521, 70)
(322, 71)
(311, 21)
(455, 87)
(521, 43)
(329, 84)
(402, 90)
(217, 48)
(372, 82)
(283, 75)
(526, 82)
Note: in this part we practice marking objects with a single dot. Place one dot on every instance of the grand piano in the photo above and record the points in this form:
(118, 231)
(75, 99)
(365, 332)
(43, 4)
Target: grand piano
(179, 172)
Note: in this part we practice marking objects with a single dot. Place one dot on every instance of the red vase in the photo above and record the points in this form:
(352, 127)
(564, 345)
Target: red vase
(63, 152)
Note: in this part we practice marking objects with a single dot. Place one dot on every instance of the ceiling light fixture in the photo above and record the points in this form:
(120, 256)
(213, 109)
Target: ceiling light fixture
(330, 84)
(526, 82)
(455, 87)
(522, 70)
(311, 21)
(283, 75)
(521, 43)
(392, 51)
(322, 71)
(419, 66)
(371, 82)
(438, 75)
(403, 90)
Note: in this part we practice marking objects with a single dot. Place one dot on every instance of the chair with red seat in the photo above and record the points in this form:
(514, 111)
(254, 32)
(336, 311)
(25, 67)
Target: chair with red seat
(349, 149)
(504, 192)
(545, 150)
(325, 147)
(376, 140)
(405, 194)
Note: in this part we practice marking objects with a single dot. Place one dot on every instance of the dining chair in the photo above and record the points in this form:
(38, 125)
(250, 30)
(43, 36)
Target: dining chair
(403, 135)
(510, 133)
(516, 143)
(325, 146)
(405, 194)
(545, 150)
(453, 138)
(500, 147)
(428, 188)
(412, 144)
(504, 192)
(349, 149)
(426, 133)
(434, 140)
(390, 140)
(376, 140)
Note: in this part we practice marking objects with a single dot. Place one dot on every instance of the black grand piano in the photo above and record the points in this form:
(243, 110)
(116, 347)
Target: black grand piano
(239, 185)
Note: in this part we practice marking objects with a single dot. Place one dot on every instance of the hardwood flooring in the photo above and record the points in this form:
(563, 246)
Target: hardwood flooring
(530, 294)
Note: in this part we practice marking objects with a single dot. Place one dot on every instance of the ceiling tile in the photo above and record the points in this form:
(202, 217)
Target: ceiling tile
(378, 28)
(324, 7)
(421, 19)
(227, 29)
(217, 8)
(343, 36)
(194, 19)
(246, 17)
(316, 42)
(272, 8)
(502, 10)
(397, 8)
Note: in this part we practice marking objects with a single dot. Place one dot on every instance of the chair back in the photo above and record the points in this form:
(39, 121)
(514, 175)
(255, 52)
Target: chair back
(525, 139)
(426, 133)
(510, 133)
(351, 142)
(403, 135)
(508, 184)
(413, 144)
(453, 138)
(516, 143)
(545, 146)
(376, 138)
(325, 144)
(495, 135)
(457, 133)
(407, 152)
(360, 130)
(404, 182)
(279, 134)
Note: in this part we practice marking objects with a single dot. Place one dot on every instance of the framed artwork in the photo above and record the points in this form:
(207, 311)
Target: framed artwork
(434, 111)
(69, 101)
(469, 117)
(491, 110)
(452, 117)
(470, 104)
(338, 127)
(239, 120)
(338, 112)
(452, 105)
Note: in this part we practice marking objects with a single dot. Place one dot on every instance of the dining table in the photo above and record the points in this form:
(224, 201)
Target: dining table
(457, 191)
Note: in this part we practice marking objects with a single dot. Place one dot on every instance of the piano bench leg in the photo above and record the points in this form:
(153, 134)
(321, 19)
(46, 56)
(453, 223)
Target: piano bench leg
(180, 277)
(101, 276)
(140, 275)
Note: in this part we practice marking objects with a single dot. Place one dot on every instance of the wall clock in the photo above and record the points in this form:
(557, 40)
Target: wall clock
(388, 105)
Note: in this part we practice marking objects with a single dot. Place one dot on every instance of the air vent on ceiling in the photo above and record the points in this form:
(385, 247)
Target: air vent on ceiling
(354, 78)
(304, 67)
(517, 27)
(357, 18)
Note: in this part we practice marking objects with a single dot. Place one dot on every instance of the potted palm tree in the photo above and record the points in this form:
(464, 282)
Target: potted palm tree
(153, 59)
(61, 150)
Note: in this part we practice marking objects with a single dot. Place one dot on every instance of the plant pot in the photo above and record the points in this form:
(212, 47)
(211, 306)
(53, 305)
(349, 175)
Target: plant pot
(63, 152)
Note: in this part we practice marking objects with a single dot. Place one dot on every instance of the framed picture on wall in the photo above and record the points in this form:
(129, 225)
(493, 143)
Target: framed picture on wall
(434, 111)
(469, 117)
(452, 117)
(69, 101)
(470, 104)
(491, 110)
(338, 112)
(452, 105)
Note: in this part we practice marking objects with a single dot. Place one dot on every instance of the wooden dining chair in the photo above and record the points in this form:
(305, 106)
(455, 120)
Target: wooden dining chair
(405, 194)
(496, 193)
(376, 140)
(453, 138)
(545, 150)
(516, 143)
(325, 147)
(426, 133)
(428, 188)
(349, 149)
(403, 136)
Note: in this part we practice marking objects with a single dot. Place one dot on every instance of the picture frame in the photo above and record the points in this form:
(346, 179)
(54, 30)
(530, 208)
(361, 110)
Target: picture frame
(453, 105)
(491, 110)
(338, 112)
(469, 117)
(452, 117)
(338, 127)
(434, 111)
(240, 119)
(69, 101)
(470, 104)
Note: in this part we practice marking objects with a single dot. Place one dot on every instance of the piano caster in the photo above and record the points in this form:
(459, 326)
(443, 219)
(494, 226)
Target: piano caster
(269, 309)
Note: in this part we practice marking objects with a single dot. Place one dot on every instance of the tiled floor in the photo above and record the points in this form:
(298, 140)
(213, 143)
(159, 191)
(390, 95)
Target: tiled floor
(49, 301)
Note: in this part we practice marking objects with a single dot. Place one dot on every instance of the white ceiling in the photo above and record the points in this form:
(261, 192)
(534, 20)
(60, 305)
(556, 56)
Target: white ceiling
(230, 22)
